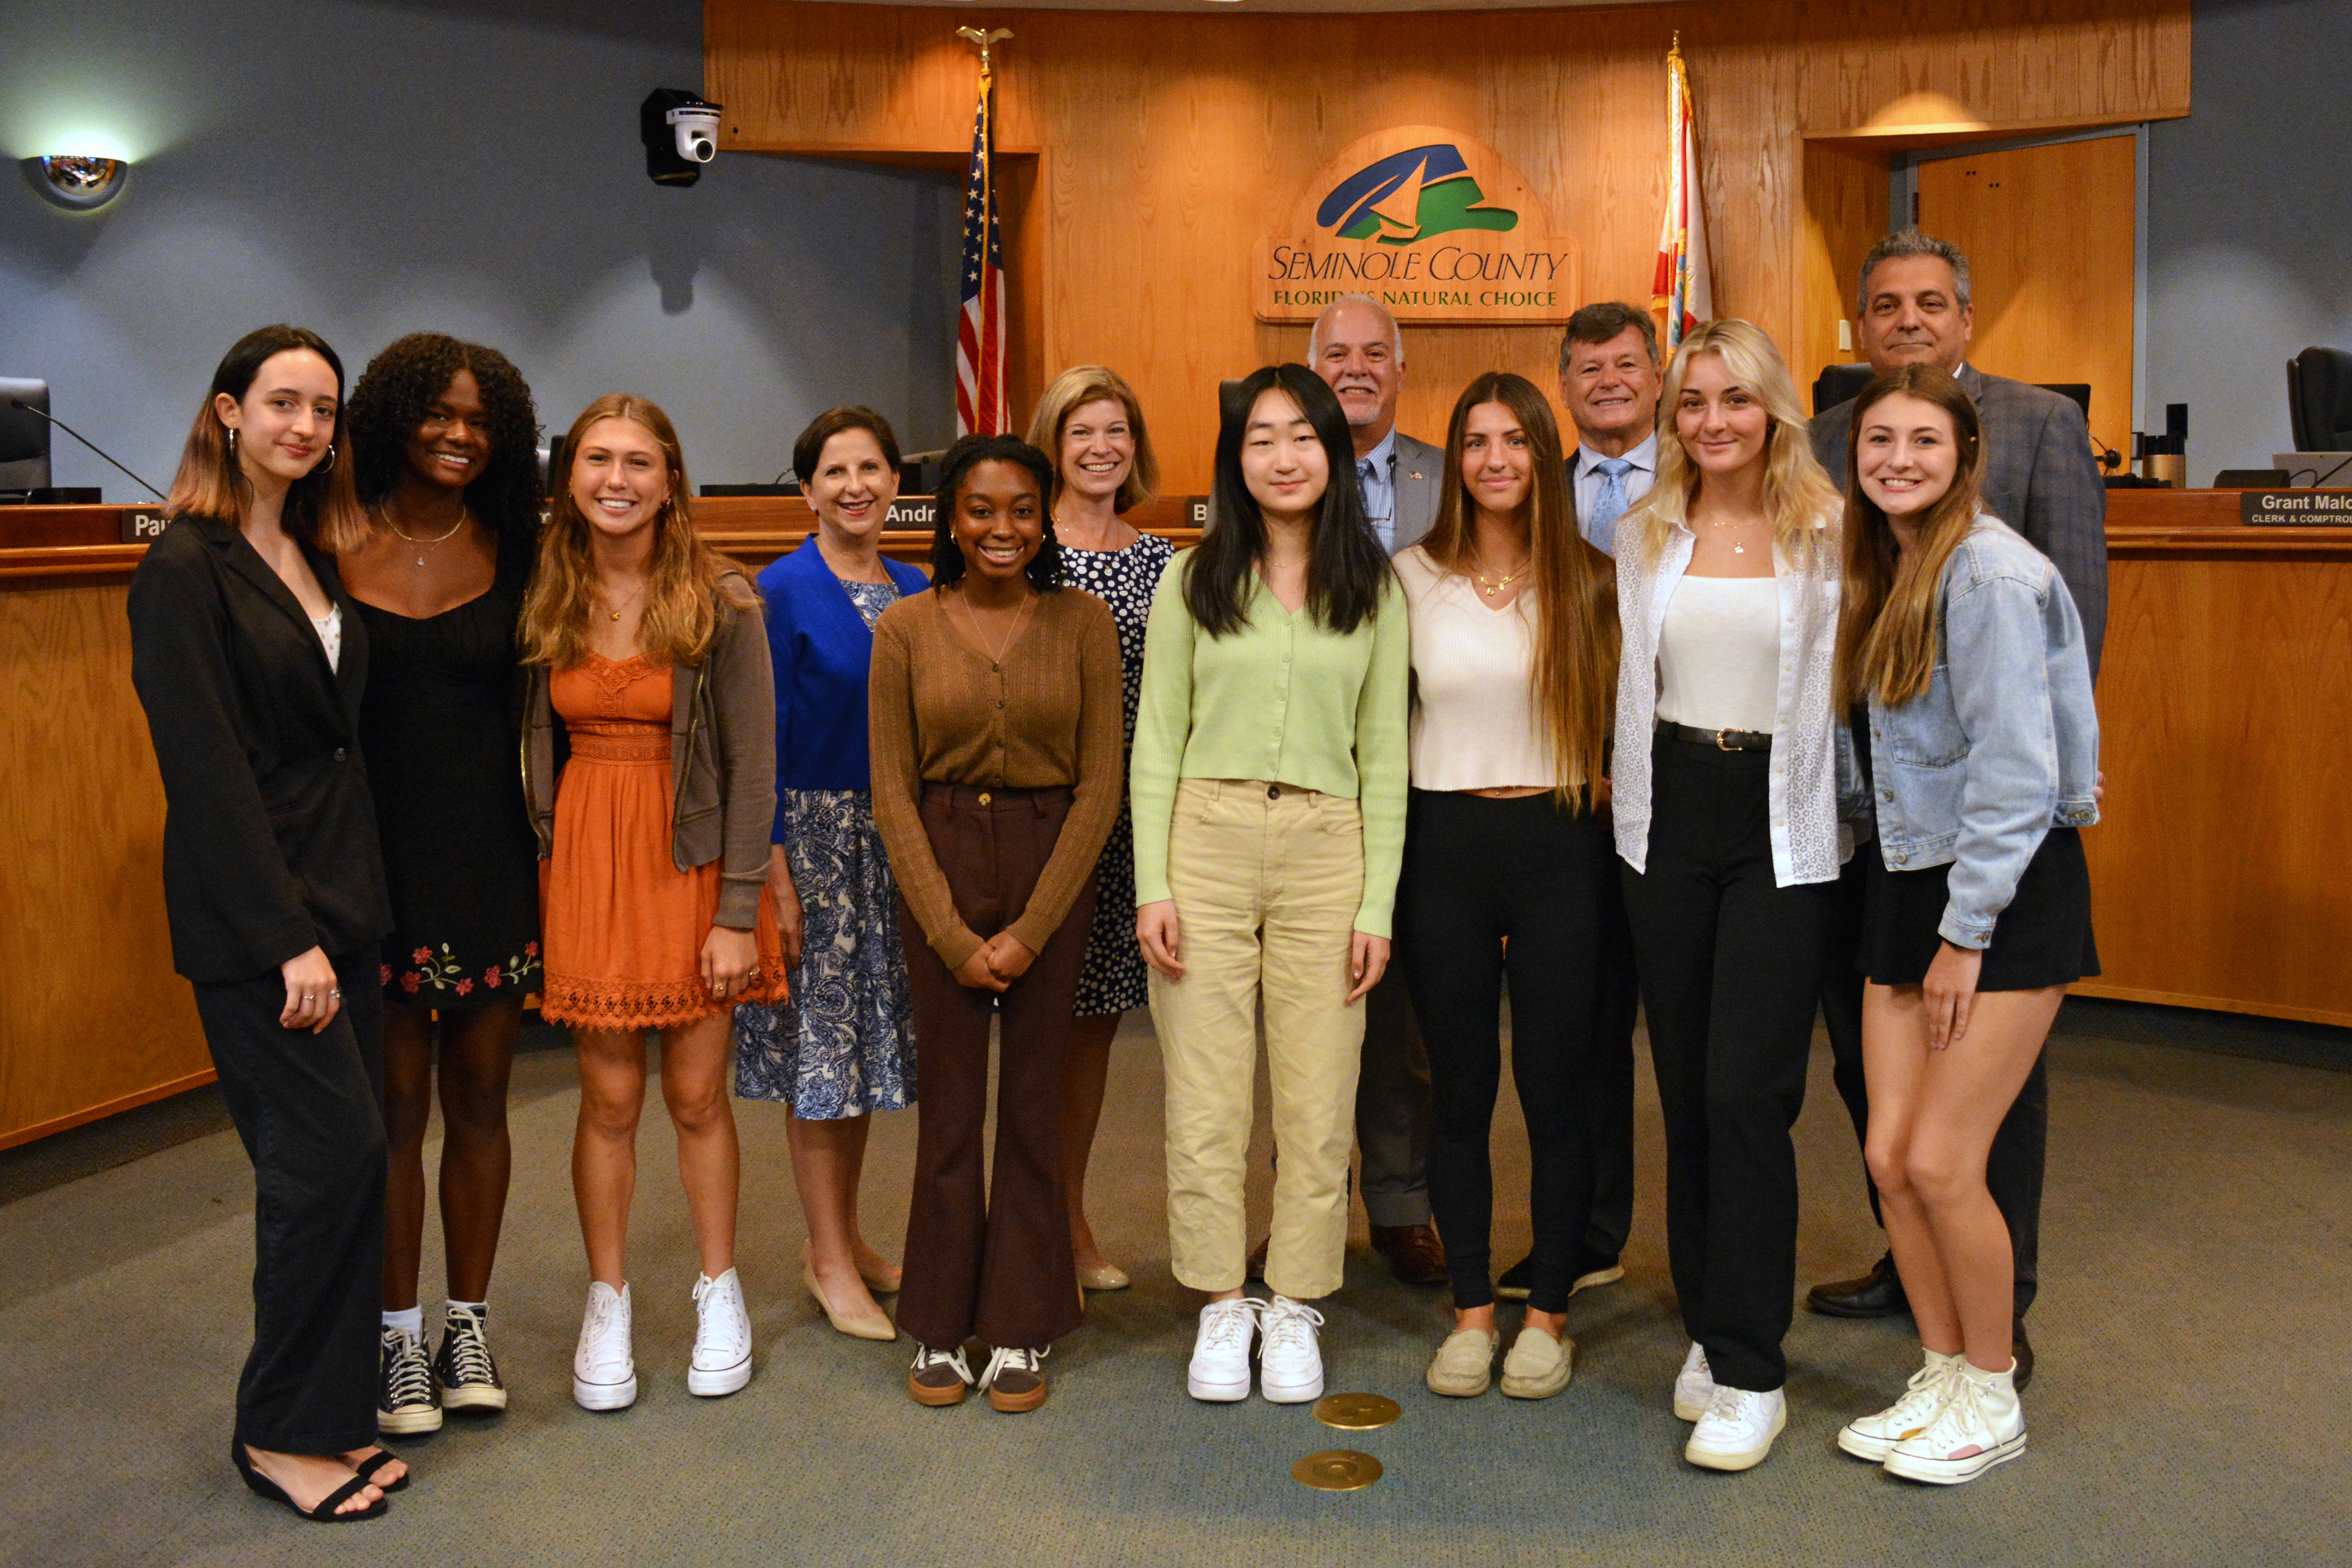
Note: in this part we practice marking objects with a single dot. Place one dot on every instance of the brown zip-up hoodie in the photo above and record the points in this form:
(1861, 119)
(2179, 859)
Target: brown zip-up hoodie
(722, 762)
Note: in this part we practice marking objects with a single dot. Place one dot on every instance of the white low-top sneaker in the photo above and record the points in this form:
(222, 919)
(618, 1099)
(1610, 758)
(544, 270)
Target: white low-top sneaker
(1737, 1429)
(604, 1369)
(1980, 1425)
(1872, 1438)
(722, 1337)
(1219, 1372)
(1290, 1360)
(1693, 1385)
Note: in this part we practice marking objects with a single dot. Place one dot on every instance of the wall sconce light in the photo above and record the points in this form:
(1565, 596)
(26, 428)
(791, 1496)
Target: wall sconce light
(77, 184)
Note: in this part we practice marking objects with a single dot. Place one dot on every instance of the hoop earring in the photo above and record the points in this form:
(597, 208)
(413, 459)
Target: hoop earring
(328, 467)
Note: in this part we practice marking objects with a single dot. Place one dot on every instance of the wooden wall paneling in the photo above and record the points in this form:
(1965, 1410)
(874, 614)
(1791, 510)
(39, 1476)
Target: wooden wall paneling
(1970, 66)
(1845, 197)
(94, 1019)
(2209, 888)
(2053, 301)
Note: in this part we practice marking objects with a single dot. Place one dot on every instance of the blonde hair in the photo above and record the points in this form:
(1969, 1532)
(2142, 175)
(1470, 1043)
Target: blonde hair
(1073, 390)
(688, 583)
(1891, 603)
(1798, 499)
(1574, 589)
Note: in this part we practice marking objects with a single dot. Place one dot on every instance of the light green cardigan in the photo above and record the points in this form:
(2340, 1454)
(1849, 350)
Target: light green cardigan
(1285, 699)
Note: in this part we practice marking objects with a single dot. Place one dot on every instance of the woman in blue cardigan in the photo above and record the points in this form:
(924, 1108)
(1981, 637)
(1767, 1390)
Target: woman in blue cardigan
(841, 1046)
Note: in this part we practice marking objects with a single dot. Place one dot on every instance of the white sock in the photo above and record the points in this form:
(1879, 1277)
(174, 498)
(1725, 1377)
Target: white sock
(479, 1309)
(410, 1322)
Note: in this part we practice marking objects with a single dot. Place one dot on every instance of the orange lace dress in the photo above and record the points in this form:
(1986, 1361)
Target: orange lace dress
(624, 928)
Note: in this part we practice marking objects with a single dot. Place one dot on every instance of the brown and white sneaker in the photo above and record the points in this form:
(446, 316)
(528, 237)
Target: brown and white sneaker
(938, 1378)
(1015, 1380)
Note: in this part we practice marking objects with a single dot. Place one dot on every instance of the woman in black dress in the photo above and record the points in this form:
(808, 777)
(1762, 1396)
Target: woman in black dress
(249, 659)
(444, 435)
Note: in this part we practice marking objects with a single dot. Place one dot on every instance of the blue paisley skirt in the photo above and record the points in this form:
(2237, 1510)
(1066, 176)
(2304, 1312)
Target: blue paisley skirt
(842, 1043)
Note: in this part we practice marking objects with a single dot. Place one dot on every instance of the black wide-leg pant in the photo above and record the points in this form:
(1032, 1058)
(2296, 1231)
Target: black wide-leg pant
(1478, 871)
(1731, 965)
(987, 1251)
(310, 1110)
(2013, 1168)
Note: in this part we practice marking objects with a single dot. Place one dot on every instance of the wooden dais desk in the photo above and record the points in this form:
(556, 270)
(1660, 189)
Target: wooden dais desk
(2224, 703)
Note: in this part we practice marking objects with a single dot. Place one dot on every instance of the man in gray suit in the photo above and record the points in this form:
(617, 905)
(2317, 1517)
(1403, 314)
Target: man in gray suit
(1913, 306)
(1356, 348)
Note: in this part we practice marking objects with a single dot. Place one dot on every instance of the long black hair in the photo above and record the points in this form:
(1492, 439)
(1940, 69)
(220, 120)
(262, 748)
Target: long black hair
(1345, 564)
(398, 389)
(1045, 568)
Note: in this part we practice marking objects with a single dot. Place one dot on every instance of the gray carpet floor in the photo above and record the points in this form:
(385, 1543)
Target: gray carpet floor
(2190, 1408)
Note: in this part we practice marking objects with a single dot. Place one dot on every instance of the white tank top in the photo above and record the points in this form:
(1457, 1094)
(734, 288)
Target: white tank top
(1719, 654)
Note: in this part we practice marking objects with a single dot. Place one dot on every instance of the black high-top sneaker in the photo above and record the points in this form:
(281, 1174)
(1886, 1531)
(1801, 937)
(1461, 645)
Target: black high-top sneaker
(465, 1369)
(406, 1402)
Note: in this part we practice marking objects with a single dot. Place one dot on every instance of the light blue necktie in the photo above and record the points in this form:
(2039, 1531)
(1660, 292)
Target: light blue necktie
(1610, 504)
(1380, 520)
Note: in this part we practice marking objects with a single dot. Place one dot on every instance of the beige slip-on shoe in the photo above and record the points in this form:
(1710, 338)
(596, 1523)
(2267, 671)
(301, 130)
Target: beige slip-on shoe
(1464, 1365)
(1539, 1365)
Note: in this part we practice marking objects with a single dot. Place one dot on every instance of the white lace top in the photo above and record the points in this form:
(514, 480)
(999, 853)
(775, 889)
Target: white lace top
(1809, 840)
(329, 627)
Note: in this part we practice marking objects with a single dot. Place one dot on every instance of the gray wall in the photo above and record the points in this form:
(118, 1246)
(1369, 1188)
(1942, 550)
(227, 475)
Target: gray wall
(2250, 224)
(368, 168)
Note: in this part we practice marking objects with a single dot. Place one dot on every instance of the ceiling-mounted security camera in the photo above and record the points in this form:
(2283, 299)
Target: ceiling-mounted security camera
(680, 131)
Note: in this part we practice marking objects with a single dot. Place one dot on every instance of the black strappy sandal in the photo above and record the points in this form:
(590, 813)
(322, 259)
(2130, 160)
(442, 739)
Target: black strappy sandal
(261, 1486)
(366, 1468)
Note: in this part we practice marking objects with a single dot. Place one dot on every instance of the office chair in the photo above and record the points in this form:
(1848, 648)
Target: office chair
(2319, 399)
(24, 438)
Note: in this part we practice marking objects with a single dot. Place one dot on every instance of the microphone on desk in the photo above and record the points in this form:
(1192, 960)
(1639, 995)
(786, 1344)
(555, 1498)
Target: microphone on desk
(44, 414)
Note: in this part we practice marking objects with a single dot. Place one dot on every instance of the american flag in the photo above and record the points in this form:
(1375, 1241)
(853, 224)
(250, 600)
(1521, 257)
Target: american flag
(979, 324)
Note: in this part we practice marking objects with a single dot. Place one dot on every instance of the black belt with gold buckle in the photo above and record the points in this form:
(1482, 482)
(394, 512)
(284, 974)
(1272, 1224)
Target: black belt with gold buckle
(1721, 739)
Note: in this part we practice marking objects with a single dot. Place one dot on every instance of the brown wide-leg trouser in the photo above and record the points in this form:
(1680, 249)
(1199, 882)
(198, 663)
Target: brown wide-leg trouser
(992, 1261)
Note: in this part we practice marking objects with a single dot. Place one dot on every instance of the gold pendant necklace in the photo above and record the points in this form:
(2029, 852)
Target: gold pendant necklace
(1490, 585)
(424, 545)
(972, 617)
(632, 599)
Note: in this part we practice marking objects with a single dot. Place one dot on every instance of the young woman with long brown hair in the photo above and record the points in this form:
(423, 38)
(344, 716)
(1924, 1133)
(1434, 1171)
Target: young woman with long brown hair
(443, 436)
(1962, 656)
(1728, 812)
(649, 667)
(250, 663)
(1515, 665)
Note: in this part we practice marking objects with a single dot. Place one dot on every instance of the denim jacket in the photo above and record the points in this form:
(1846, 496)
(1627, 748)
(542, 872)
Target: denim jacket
(2004, 744)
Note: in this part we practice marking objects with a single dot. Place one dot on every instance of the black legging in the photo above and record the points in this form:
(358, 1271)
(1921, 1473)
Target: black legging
(1477, 871)
(1731, 964)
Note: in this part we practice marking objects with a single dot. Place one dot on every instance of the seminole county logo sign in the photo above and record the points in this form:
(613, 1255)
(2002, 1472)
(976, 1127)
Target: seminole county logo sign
(1436, 225)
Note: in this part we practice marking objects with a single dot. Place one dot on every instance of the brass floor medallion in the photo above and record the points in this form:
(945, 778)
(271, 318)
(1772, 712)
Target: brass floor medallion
(1356, 1411)
(1337, 1470)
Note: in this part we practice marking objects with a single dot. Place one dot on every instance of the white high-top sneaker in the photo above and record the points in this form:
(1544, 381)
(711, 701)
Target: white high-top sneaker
(1872, 1438)
(1693, 1385)
(722, 1337)
(1219, 1372)
(1737, 1429)
(1980, 1425)
(1290, 1360)
(604, 1369)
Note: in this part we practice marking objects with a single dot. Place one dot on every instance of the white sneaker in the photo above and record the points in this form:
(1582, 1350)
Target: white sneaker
(1693, 1385)
(1290, 1360)
(1737, 1429)
(1980, 1425)
(1872, 1438)
(1219, 1372)
(604, 1370)
(722, 1337)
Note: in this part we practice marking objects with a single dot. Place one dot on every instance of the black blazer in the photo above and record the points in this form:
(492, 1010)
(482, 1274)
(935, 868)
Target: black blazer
(269, 836)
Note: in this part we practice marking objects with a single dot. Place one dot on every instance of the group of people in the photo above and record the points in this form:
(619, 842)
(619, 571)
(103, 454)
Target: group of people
(1661, 716)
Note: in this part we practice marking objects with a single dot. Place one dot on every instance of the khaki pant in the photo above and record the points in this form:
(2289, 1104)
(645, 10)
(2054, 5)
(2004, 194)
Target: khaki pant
(1266, 879)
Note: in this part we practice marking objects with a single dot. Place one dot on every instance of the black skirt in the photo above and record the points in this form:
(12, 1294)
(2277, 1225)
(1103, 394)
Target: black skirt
(2042, 939)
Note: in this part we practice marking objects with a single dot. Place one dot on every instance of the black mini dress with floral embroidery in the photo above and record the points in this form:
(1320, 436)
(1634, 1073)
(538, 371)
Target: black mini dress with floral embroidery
(439, 730)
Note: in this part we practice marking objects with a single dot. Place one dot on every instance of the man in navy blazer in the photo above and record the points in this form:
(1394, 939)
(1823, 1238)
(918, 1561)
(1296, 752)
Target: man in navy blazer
(1913, 306)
